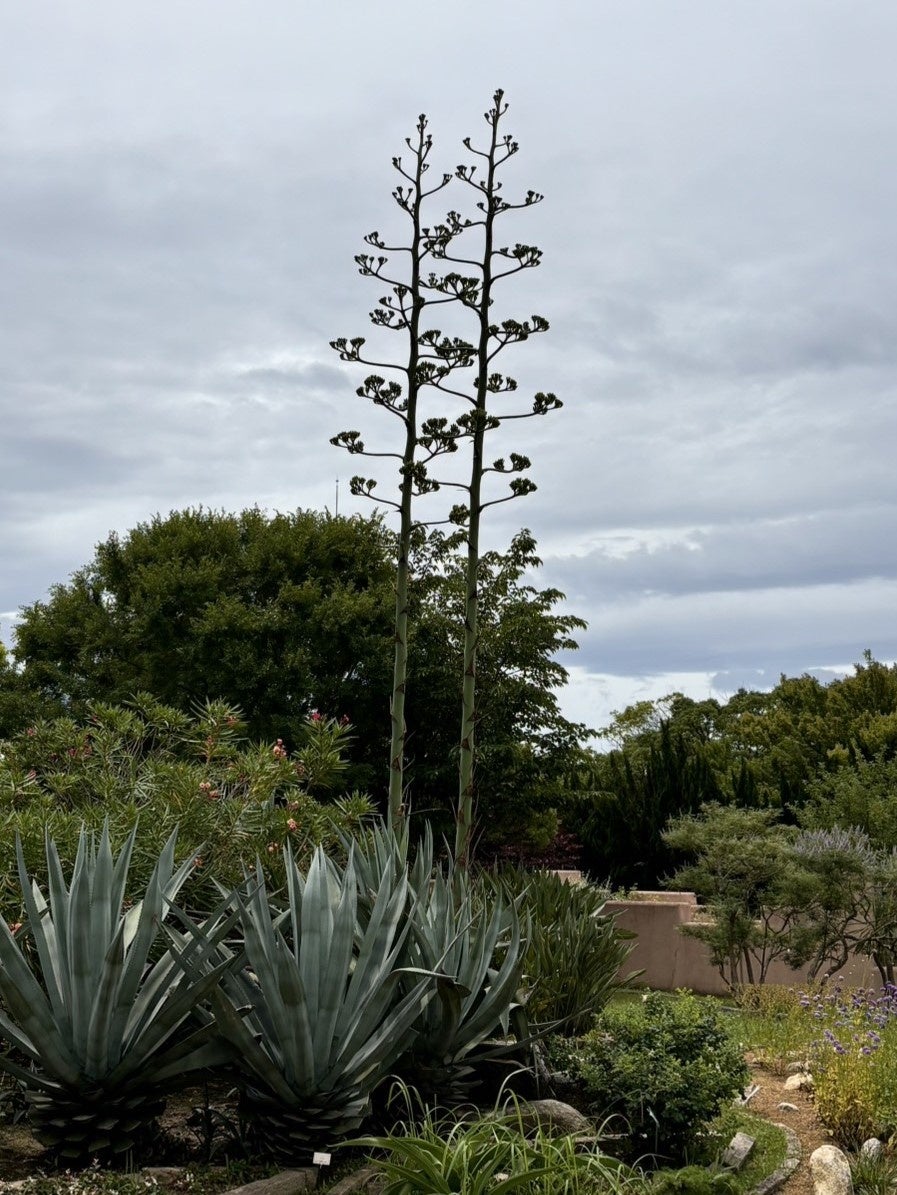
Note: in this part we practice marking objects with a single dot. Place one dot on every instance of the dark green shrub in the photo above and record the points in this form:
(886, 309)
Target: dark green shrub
(663, 1066)
(148, 764)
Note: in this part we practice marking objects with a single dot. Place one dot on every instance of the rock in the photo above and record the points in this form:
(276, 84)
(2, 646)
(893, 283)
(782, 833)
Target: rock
(288, 1182)
(165, 1176)
(871, 1148)
(831, 1171)
(553, 1114)
(366, 1179)
(797, 1068)
(799, 1082)
(738, 1151)
(786, 1107)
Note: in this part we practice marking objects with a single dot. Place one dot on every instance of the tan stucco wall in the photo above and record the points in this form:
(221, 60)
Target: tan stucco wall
(671, 959)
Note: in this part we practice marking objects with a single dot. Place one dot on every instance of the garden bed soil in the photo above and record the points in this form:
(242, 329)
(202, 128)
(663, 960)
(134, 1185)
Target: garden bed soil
(21, 1156)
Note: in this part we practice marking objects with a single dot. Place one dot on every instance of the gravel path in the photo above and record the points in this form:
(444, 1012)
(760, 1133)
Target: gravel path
(804, 1122)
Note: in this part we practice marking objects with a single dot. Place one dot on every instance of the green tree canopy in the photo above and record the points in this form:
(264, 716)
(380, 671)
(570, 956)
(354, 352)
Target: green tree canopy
(825, 754)
(281, 615)
(525, 742)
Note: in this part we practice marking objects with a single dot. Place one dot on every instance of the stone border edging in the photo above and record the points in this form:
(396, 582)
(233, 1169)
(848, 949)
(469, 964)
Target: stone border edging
(286, 1182)
(793, 1154)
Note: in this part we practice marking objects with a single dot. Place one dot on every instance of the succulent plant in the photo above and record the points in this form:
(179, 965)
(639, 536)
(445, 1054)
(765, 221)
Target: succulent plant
(466, 930)
(104, 1026)
(315, 1014)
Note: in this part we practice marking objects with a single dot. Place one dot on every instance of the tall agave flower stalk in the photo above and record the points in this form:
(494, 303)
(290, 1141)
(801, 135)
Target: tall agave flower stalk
(316, 1015)
(104, 1027)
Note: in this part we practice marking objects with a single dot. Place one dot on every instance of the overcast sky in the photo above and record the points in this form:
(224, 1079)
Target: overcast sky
(183, 187)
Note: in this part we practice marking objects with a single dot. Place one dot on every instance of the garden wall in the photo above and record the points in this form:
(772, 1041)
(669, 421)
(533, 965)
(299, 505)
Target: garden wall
(671, 959)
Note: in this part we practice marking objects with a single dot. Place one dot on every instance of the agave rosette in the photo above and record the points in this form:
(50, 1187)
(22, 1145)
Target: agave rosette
(104, 1027)
(316, 1014)
(474, 941)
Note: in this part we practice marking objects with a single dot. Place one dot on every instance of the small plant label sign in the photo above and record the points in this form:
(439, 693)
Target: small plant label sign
(321, 1159)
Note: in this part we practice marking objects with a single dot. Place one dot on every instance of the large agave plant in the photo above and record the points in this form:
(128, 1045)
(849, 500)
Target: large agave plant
(469, 933)
(481, 950)
(316, 1016)
(104, 1027)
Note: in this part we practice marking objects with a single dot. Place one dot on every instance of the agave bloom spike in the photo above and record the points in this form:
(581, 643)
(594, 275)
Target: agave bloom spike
(104, 1026)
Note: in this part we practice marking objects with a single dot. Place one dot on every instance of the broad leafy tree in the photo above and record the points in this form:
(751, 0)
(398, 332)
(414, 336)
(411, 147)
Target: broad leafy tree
(525, 741)
(287, 614)
(278, 615)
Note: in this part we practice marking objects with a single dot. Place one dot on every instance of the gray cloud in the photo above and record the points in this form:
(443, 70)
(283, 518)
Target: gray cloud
(181, 199)
(822, 547)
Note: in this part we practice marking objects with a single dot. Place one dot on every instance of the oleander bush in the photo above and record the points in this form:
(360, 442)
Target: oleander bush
(147, 763)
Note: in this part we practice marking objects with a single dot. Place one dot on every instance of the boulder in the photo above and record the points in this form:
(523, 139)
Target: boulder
(872, 1148)
(831, 1171)
(799, 1082)
(786, 1107)
(561, 1118)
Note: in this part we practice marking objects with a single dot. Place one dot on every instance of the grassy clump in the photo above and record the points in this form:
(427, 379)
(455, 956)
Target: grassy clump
(874, 1175)
(771, 1022)
(496, 1154)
